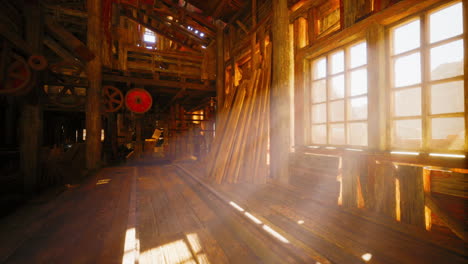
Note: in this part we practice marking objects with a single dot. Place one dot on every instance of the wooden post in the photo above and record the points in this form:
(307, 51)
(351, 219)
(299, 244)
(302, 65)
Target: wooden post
(32, 115)
(220, 64)
(93, 102)
(279, 96)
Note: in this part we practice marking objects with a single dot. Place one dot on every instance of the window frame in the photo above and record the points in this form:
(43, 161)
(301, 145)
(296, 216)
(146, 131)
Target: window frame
(346, 99)
(425, 84)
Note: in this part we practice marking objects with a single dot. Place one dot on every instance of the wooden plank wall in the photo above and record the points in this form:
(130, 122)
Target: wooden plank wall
(411, 190)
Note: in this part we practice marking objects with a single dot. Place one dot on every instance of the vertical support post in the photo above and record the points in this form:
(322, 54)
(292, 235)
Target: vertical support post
(93, 102)
(220, 64)
(412, 205)
(279, 96)
(138, 139)
(31, 117)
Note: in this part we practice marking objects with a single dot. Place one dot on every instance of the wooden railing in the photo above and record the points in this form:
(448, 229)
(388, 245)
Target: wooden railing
(181, 64)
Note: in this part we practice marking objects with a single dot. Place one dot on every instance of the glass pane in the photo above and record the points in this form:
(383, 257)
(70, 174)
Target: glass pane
(337, 111)
(406, 37)
(359, 82)
(319, 134)
(319, 68)
(358, 54)
(319, 113)
(446, 23)
(447, 98)
(407, 133)
(337, 87)
(407, 70)
(357, 134)
(448, 133)
(319, 91)
(337, 134)
(337, 62)
(358, 108)
(408, 102)
(447, 60)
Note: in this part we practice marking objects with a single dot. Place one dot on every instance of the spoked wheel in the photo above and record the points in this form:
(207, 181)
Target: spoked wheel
(113, 99)
(17, 78)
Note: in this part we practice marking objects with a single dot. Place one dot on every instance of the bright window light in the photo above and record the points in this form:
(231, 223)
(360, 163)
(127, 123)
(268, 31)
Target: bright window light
(253, 218)
(233, 204)
(446, 155)
(366, 257)
(404, 153)
(300, 222)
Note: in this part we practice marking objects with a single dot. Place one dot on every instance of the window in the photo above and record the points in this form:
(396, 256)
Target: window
(427, 88)
(339, 97)
(149, 36)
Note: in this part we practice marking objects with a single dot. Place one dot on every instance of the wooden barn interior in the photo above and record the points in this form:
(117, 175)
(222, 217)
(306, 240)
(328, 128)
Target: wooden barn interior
(233, 131)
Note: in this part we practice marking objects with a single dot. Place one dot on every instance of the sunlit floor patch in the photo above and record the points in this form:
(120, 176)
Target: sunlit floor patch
(366, 257)
(184, 250)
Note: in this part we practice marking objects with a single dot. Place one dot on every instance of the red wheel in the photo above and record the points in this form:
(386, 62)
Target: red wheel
(18, 77)
(113, 98)
(37, 62)
(138, 100)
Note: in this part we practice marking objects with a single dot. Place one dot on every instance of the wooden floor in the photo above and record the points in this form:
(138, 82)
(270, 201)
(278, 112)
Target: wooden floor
(313, 221)
(159, 214)
(139, 214)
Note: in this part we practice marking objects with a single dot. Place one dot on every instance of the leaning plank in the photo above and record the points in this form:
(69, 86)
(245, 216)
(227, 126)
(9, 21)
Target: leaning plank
(455, 225)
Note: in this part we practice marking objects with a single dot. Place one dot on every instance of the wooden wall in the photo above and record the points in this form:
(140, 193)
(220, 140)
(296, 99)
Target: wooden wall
(423, 191)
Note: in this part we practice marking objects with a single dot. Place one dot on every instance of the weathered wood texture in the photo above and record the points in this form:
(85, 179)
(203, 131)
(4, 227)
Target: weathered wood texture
(94, 73)
(332, 234)
(411, 195)
(220, 90)
(279, 96)
(31, 120)
(240, 146)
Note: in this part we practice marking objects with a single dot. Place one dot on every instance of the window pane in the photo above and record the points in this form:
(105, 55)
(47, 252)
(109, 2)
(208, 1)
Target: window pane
(448, 133)
(446, 23)
(357, 134)
(319, 68)
(337, 62)
(406, 37)
(337, 134)
(337, 87)
(447, 60)
(358, 54)
(319, 134)
(358, 108)
(319, 113)
(408, 102)
(447, 98)
(359, 82)
(319, 91)
(407, 70)
(337, 111)
(407, 133)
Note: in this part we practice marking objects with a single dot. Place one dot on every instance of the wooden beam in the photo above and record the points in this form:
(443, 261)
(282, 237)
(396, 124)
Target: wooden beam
(93, 102)
(15, 39)
(220, 64)
(69, 40)
(67, 11)
(31, 120)
(162, 83)
(60, 51)
(279, 96)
